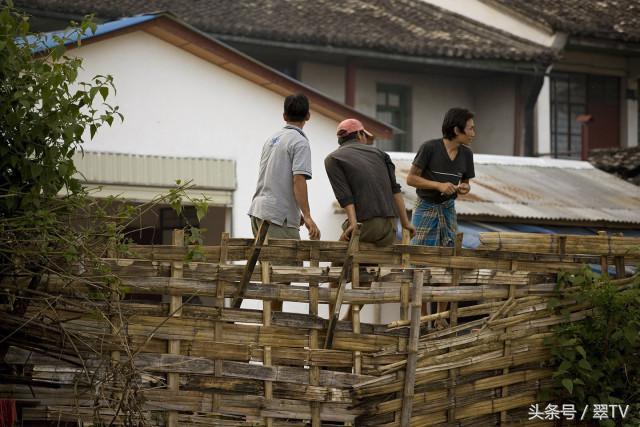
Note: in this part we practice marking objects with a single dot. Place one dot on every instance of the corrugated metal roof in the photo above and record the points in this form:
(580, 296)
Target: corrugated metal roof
(542, 189)
(48, 40)
(155, 171)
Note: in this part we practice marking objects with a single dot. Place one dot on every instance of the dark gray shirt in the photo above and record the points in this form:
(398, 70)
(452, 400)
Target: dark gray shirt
(436, 165)
(284, 154)
(365, 176)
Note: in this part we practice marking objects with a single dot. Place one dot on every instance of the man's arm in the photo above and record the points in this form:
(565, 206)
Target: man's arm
(398, 200)
(302, 198)
(353, 221)
(464, 187)
(415, 179)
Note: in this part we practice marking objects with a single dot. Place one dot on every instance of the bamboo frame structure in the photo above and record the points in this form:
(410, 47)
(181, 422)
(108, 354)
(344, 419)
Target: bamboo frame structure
(228, 365)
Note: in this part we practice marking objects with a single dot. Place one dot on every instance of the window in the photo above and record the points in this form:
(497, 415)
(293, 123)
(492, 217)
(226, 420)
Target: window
(392, 107)
(576, 94)
(568, 101)
(170, 220)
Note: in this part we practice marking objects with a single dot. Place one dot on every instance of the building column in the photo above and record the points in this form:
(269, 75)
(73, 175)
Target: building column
(542, 133)
(630, 125)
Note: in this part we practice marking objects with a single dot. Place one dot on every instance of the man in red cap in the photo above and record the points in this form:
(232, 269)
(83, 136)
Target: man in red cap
(363, 178)
(364, 183)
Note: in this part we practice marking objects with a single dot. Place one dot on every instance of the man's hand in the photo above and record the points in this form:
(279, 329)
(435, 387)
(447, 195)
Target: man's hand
(411, 229)
(464, 188)
(314, 231)
(346, 234)
(447, 188)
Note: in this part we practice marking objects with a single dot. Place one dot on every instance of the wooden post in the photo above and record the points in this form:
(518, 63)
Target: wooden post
(453, 322)
(314, 370)
(604, 263)
(412, 356)
(266, 322)
(219, 302)
(342, 283)
(507, 345)
(405, 288)
(175, 310)
(355, 308)
(619, 261)
(251, 263)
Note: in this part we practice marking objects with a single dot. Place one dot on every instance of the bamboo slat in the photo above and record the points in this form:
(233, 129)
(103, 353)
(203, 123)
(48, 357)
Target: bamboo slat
(248, 367)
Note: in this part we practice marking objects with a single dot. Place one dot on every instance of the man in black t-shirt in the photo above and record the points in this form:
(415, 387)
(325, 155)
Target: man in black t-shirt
(440, 171)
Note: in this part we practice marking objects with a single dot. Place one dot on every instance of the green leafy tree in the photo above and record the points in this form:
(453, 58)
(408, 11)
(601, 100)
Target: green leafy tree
(44, 112)
(47, 220)
(597, 359)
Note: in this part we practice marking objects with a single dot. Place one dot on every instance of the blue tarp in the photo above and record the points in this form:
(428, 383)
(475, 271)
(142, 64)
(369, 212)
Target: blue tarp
(47, 40)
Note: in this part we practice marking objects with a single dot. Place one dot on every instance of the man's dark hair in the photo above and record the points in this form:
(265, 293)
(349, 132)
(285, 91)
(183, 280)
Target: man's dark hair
(348, 137)
(296, 107)
(455, 118)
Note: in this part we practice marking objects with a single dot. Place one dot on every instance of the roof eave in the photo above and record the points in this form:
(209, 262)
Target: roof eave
(537, 66)
(172, 30)
(600, 44)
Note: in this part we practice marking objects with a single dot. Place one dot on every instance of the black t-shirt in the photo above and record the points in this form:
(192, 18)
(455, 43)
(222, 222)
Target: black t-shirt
(436, 165)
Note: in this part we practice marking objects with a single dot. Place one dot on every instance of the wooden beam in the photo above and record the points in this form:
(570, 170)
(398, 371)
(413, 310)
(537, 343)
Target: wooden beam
(251, 263)
(412, 351)
(342, 284)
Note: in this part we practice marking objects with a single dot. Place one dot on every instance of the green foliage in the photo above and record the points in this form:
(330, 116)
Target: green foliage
(597, 359)
(44, 112)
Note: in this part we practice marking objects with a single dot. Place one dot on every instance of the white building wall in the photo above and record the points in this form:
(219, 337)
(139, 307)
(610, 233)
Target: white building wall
(432, 94)
(498, 18)
(177, 104)
(542, 115)
(495, 109)
(328, 79)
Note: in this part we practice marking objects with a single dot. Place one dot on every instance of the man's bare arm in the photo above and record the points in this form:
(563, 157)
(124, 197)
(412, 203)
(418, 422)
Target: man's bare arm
(398, 200)
(415, 179)
(302, 198)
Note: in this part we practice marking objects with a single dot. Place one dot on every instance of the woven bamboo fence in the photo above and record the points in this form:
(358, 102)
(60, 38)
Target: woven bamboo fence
(213, 363)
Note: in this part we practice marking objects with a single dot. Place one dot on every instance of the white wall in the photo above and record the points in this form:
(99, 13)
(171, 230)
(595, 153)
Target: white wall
(542, 116)
(498, 18)
(177, 104)
(328, 79)
(432, 94)
(495, 109)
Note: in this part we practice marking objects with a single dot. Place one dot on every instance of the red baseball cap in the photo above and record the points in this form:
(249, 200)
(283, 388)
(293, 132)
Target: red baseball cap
(351, 125)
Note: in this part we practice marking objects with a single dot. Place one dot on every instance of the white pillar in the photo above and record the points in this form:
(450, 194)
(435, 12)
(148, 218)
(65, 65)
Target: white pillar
(542, 114)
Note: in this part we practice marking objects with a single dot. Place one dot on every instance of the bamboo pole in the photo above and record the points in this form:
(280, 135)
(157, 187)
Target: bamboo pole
(355, 309)
(410, 375)
(314, 370)
(453, 322)
(604, 264)
(266, 321)
(251, 263)
(342, 283)
(219, 303)
(175, 310)
(619, 263)
(405, 288)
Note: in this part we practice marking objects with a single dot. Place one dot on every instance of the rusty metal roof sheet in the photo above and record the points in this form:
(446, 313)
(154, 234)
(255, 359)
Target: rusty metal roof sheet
(539, 189)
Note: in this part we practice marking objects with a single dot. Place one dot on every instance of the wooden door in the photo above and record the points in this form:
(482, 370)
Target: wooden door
(603, 104)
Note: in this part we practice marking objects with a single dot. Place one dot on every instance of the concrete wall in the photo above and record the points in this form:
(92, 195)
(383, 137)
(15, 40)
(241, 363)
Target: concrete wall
(177, 104)
(495, 108)
(491, 98)
(328, 79)
(498, 17)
